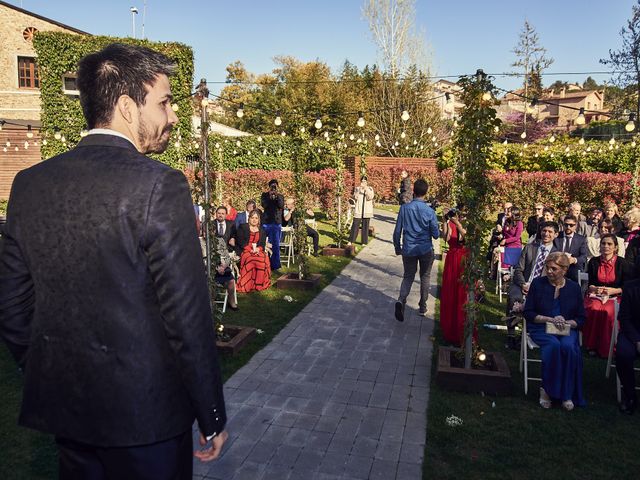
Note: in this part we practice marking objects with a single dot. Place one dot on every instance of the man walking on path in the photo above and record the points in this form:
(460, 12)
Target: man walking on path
(103, 298)
(417, 225)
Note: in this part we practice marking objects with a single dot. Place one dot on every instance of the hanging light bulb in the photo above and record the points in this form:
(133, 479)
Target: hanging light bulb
(377, 137)
(174, 107)
(29, 132)
(505, 141)
(523, 135)
(326, 135)
(415, 142)
(631, 124)
(566, 149)
(581, 141)
(360, 122)
(448, 105)
(283, 133)
(486, 96)
(633, 144)
(240, 111)
(612, 141)
(580, 120)
(177, 145)
(526, 145)
(546, 148)
(351, 137)
(552, 138)
(455, 123)
(429, 131)
(318, 123)
(302, 129)
(496, 129)
(4, 149)
(264, 152)
(403, 135)
(278, 120)
(26, 145)
(588, 149)
(237, 143)
(405, 115)
(279, 151)
(259, 139)
(378, 144)
(8, 143)
(57, 135)
(44, 142)
(396, 144)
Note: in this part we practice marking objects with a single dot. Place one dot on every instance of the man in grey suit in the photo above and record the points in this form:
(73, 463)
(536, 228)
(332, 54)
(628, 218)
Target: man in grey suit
(530, 266)
(103, 299)
(574, 245)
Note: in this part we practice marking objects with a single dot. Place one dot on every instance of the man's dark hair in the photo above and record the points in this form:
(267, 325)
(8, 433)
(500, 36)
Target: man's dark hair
(364, 177)
(549, 209)
(273, 182)
(252, 202)
(420, 188)
(222, 207)
(553, 225)
(117, 70)
(570, 216)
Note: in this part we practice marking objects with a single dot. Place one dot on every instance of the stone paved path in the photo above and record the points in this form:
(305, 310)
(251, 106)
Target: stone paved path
(341, 392)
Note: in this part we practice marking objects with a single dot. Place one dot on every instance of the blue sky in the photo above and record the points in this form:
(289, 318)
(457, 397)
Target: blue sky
(463, 35)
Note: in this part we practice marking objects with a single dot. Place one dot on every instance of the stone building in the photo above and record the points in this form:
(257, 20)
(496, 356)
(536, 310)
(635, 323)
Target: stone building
(19, 89)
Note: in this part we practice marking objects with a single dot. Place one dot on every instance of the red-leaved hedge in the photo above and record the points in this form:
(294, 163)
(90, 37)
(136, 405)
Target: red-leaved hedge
(524, 189)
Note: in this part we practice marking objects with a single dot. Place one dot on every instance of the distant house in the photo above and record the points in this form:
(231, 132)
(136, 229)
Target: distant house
(550, 106)
(20, 89)
(451, 107)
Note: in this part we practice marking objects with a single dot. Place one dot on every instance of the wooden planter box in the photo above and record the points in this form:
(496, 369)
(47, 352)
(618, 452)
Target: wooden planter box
(291, 280)
(239, 337)
(333, 251)
(494, 380)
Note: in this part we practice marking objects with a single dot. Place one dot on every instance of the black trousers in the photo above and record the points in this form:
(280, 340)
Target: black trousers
(365, 230)
(626, 353)
(315, 238)
(168, 460)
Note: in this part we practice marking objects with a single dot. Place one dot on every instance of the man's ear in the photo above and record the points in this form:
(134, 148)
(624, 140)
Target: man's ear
(126, 108)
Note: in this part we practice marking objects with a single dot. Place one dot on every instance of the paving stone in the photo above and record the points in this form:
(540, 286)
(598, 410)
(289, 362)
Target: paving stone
(358, 467)
(286, 419)
(385, 470)
(388, 450)
(249, 471)
(364, 446)
(408, 471)
(286, 455)
(334, 463)
(306, 421)
(412, 453)
(327, 423)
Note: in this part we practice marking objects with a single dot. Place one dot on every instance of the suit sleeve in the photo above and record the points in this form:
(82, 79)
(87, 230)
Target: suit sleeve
(518, 272)
(628, 320)
(397, 231)
(581, 257)
(177, 273)
(17, 294)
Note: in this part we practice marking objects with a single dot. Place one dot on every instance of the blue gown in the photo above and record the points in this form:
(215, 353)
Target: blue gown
(561, 357)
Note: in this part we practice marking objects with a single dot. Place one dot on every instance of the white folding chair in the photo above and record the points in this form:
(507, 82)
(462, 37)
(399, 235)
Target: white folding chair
(527, 344)
(223, 295)
(500, 271)
(503, 269)
(583, 280)
(311, 222)
(286, 245)
(614, 338)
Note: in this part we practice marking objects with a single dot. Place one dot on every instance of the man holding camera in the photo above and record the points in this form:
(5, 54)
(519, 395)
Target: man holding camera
(417, 225)
(273, 205)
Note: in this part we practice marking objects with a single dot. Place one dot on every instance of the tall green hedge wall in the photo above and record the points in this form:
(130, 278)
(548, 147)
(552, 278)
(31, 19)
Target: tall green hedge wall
(59, 53)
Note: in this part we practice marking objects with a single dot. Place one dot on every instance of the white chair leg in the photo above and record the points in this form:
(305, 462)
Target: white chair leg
(526, 364)
(618, 388)
(614, 335)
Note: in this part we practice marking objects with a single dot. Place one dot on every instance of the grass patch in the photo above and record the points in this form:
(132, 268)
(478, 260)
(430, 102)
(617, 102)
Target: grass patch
(389, 207)
(516, 438)
(27, 454)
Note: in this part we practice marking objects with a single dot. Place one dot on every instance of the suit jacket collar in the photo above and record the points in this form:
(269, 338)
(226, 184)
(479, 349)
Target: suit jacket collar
(101, 140)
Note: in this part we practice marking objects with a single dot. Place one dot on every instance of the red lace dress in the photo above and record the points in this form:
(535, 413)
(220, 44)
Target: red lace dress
(453, 294)
(597, 330)
(255, 270)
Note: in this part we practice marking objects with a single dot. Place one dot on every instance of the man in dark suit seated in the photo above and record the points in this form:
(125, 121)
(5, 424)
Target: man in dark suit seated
(225, 229)
(573, 244)
(243, 217)
(109, 317)
(530, 266)
(628, 345)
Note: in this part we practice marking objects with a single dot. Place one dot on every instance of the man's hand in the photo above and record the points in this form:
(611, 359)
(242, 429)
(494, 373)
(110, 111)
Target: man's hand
(212, 452)
(525, 288)
(398, 252)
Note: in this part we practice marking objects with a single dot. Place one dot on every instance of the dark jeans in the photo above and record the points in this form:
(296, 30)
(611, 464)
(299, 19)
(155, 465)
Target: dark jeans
(626, 353)
(410, 265)
(168, 460)
(314, 238)
(365, 230)
(274, 232)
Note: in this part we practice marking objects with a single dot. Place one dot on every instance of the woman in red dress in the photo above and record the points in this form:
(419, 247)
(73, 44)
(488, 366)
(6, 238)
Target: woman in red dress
(453, 294)
(255, 270)
(232, 213)
(606, 276)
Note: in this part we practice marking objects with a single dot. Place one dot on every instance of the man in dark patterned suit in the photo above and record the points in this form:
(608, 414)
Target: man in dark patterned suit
(103, 299)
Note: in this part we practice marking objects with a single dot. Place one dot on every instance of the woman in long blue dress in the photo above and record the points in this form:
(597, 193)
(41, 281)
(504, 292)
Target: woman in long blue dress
(557, 300)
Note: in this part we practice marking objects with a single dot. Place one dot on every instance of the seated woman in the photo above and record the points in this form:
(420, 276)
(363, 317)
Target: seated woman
(593, 242)
(558, 301)
(611, 213)
(631, 222)
(224, 275)
(607, 273)
(255, 269)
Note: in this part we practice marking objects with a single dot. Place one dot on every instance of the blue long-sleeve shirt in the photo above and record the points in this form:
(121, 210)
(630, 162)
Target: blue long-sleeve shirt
(417, 224)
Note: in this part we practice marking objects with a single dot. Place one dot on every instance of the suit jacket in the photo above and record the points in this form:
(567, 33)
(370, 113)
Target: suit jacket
(578, 249)
(229, 231)
(523, 269)
(629, 307)
(104, 301)
(242, 238)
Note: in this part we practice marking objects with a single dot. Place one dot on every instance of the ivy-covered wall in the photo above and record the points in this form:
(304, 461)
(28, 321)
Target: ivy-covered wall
(59, 53)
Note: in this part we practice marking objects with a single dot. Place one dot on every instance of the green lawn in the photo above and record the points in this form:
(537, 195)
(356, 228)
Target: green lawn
(26, 454)
(516, 438)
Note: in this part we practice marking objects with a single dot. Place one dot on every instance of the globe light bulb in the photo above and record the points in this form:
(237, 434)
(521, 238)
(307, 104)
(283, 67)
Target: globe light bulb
(279, 151)
(26, 145)
(237, 143)
(567, 149)
(4, 149)
(580, 120)
(377, 137)
(318, 124)
(403, 135)
(633, 144)
(264, 152)
(326, 135)
(526, 145)
(523, 135)
(360, 121)
(505, 141)
(63, 139)
(57, 135)
(240, 111)
(486, 96)
(16, 149)
(44, 142)
(455, 123)
(378, 144)
(588, 149)
(302, 129)
(612, 141)
(396, 144)
(496, 129)
(552, 138)
(174, 107)
(631, 124)
(429, 131)
(581, 141)
(405, 115)
(8, 144)
(546, 148)
(30, 133)
(177, 145)
(283, 134)
(351, 137)
(435, 144)
(259, 139)
(278, 120)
